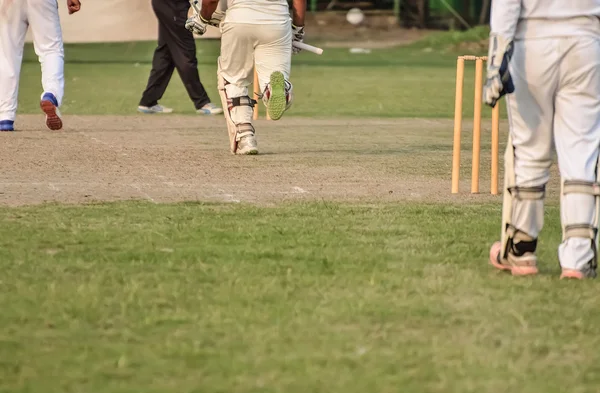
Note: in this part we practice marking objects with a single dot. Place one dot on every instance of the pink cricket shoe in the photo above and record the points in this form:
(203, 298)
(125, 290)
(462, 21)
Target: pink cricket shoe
(526, 269)
(572, 273)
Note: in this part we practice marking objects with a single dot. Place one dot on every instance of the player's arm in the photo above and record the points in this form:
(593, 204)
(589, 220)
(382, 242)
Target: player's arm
(298, 12)
(503, 21)
(73, 6)
(208, 8)
(504, 18)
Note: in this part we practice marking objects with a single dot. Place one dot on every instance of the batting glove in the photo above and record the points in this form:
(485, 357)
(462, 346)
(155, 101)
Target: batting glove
(298, 32)
(498, 80)
(196, 24)
(216, 18)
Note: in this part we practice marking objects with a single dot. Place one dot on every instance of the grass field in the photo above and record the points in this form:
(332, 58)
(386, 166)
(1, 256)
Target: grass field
(328, 293)
(383, 83)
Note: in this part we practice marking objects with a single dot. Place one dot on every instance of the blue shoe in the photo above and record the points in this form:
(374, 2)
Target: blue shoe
(49, 105)
(7, 125)
(154, 109)
(209, 109)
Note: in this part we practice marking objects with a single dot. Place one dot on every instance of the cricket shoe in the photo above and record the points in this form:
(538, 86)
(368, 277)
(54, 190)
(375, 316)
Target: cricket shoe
(523, 266)
(49, 105)
(587, 272)
(276, 96)
(209, 109)
(7, 125)
(154, 109)
(246, 144)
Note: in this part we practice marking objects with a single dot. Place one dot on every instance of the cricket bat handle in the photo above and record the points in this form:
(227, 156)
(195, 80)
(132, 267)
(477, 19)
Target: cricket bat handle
(308, 48)
(195, 6)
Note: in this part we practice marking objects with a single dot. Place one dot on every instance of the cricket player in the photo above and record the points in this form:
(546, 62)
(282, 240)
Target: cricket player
(547, 54)
(252, 32)
(176, 50)
(16, 16)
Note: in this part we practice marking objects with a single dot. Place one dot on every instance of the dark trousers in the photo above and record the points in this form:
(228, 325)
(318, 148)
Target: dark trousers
(176, 50)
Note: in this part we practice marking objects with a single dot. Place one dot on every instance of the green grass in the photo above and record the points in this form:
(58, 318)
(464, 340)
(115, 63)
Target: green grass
(320, 297)
(416, 81)
(296, 298)
(451, 40)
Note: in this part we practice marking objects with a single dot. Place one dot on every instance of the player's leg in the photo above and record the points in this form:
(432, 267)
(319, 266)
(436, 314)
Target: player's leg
(236, 64)
(183, 49)
(162, 69)
(577, 135)
(273, 65)
(13, 27)
(528, 155)
(48, 43)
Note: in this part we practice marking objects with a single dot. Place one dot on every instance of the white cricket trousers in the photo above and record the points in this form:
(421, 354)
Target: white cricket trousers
(15, 17)
(556, 100)
(269, 46)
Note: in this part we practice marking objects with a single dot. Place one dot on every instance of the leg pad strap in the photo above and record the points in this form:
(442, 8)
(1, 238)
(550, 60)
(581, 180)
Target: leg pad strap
(520, 250)
(528, 193)
(244, 130)
(242, 101)
(585, 231)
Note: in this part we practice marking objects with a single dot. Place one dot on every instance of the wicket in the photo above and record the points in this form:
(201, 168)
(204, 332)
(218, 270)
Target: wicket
(257, 92)
(460, 76)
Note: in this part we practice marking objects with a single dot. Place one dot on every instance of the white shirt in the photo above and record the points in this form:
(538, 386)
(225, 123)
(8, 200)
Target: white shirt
(523, 19)
(257, 11)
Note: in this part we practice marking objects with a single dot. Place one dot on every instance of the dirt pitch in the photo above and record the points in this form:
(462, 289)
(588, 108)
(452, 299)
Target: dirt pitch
(185, 158)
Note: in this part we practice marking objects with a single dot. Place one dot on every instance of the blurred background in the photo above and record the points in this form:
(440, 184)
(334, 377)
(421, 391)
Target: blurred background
(385, 49)
(133, 20)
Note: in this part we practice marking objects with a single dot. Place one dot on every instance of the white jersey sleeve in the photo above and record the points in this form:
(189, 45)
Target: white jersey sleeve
(504, 18)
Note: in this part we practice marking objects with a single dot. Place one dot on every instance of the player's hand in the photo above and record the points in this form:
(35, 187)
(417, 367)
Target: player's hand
(498, 80)
(298, 36)
(73, 6)
(196, 24)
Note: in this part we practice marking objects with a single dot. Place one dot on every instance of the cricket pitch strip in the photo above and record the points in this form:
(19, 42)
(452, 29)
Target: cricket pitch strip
(171, 158)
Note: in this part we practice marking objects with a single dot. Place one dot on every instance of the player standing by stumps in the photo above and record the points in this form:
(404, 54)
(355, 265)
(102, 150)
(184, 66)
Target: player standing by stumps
(547, 53)
(42, 16)
(253, 32)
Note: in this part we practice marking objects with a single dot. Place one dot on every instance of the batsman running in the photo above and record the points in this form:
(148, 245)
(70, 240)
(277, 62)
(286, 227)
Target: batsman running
(547, 54)
(252, 32)
(16, 16)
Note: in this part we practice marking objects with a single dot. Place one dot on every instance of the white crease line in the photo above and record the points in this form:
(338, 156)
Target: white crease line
(228, 197)
(148, 197)
(299, 190)
(115, 148)
(53, 187)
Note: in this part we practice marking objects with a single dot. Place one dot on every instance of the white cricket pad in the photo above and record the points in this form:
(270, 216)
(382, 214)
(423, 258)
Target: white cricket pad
(522, 216)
